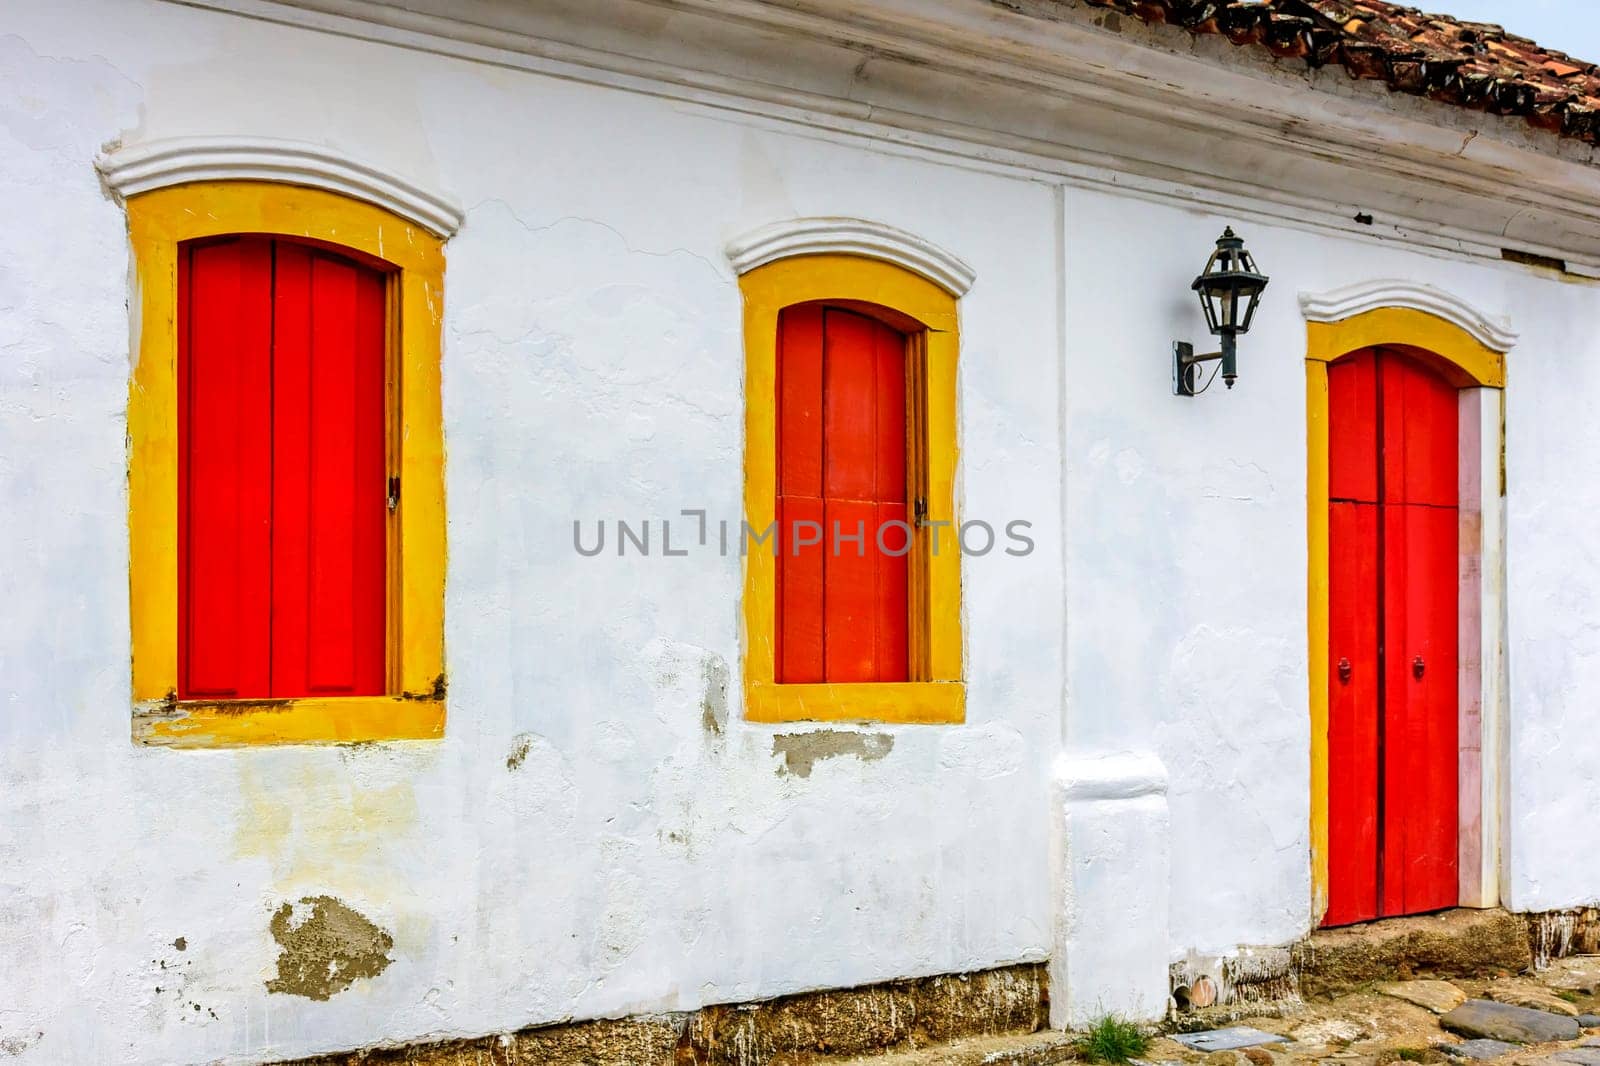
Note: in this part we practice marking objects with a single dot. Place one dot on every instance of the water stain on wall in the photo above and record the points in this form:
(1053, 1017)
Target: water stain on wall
(331, 819)
(326, 950)
(802, 751)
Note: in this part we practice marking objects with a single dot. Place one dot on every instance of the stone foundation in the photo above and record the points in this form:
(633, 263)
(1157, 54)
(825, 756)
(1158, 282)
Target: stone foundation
(1457, 943)
(790, 1031)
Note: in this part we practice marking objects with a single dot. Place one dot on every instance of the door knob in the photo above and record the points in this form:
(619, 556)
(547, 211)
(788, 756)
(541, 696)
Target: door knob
(1417, 667)
(1344, 671)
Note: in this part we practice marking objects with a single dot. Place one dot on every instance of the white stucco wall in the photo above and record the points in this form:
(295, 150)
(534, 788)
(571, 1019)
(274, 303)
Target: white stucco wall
(1186, 557)
(584, 842)
(634, 859)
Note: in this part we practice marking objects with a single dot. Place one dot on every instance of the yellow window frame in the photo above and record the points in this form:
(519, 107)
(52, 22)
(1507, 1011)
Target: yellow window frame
(159, 221)
(937, 695)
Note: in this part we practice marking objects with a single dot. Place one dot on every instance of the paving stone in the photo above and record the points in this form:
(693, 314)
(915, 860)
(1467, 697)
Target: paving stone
(1330, 1031)
(1479, 1049)
(1589, 1021)
(1441, 997)
(1505, 1021)
(1579, 974)
(1236, 1036)
(1580, 1056)
(1536, 998)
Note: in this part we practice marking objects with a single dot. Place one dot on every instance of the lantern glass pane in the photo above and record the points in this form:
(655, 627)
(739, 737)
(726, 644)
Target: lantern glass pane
(1250, 311)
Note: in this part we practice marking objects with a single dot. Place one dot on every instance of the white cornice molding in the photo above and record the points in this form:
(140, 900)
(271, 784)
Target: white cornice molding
(139, 168)
(1492, 331)
(1047, 91)
(851, 236)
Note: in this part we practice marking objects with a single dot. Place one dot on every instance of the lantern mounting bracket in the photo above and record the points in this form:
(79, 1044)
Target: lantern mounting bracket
(1184, 362)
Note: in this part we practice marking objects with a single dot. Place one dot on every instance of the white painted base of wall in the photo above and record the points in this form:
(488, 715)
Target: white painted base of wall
(1113, 863)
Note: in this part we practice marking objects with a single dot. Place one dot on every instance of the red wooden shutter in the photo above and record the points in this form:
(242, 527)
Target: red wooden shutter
(283, 436)
(842, 612)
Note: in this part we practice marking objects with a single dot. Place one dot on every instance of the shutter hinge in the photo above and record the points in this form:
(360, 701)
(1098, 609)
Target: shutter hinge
(919, 510)
(394, 494)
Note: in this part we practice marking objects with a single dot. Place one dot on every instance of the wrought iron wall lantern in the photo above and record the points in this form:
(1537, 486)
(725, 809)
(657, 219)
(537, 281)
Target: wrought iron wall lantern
(1229, 288)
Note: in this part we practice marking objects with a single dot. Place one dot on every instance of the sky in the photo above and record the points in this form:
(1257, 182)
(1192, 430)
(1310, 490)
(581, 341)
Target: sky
(1571, 26)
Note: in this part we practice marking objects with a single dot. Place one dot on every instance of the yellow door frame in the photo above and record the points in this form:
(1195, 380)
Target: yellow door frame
(1469, 362)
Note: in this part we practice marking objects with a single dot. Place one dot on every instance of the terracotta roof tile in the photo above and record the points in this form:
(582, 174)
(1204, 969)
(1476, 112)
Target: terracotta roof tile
(1469, 64)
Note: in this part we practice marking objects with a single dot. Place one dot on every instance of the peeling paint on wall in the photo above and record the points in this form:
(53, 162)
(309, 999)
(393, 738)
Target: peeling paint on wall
(13, 1046)
(714, 706)
(802, 751)
(325, 951)
(519, 752)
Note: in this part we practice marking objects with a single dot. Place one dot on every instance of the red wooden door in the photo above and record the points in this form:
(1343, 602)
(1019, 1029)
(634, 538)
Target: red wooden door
(842, 607)
(1393, 618)
(282, 473)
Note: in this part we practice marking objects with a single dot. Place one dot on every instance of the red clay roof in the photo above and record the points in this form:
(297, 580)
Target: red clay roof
(1469, 64)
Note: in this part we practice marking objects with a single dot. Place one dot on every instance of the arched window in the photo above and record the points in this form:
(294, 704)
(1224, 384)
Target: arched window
(286, 491)
(852, 598)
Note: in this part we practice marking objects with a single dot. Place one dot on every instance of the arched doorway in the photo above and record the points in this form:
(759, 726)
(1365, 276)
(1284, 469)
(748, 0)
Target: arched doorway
(1393, 616)
(1383, 361)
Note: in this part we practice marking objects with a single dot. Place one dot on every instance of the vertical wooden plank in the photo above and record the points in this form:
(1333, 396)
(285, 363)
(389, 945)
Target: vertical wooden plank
(332, 478)
(1353, 446)
(891, 630)
(1440, 698)
(225, 497)
(1421, 754)
(1399, 792)
(800, 573)
(1353, 740)
(850, 596)
(798, 650)
(892, 653)
(291, 469)
(1421, 454)
(849, 483)
(371, 562)
(849, 406)
(800, 401)
(889, 364)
